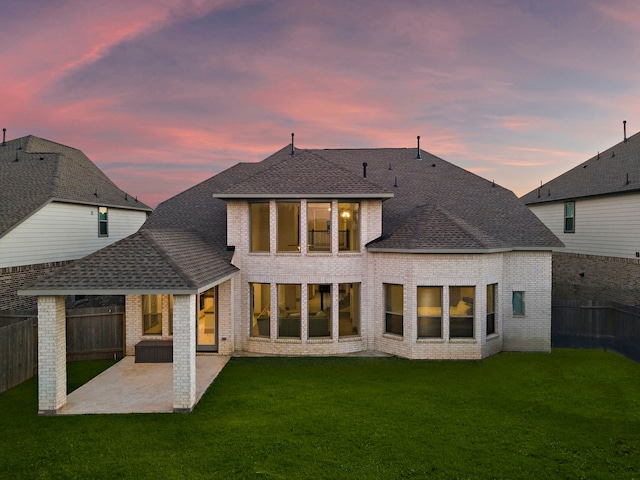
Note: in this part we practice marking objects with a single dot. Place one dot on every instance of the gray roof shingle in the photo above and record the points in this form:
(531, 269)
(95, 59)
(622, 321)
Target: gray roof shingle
(615, 170)
(34, 171)
(430, 205)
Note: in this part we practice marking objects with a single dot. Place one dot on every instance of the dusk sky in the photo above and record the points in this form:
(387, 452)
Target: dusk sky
(162, 94)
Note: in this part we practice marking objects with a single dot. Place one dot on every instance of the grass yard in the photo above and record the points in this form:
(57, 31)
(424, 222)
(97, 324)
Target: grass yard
(569, 414)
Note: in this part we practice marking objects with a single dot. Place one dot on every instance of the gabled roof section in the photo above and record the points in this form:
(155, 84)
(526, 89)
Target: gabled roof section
(34, 172)
(615, 170)
(305, 174)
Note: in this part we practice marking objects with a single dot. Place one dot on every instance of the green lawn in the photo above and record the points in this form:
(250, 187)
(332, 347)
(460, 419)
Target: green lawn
(569, 414)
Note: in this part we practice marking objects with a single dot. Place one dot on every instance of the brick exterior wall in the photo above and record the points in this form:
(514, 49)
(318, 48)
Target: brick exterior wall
(184, 353)
(52, 354)
(594, 277)
(13, 279)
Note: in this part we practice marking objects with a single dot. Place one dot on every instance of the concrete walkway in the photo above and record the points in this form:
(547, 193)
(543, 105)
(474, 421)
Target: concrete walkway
(130, 387)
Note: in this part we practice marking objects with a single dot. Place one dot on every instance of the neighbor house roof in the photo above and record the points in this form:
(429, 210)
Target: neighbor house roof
(35, 172)
(612, 171)
(429, 205)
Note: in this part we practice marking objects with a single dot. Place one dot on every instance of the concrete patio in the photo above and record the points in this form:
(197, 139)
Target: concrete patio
(129, 387)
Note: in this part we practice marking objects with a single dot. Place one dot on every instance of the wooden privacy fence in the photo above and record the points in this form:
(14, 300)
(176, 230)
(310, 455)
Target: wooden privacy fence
(18, 349)
(92, 334)
(591, 324)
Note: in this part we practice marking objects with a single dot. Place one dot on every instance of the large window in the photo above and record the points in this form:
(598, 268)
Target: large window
(394, 306)
(518, 303)
(319, 304)
(491, 308)
(319, 227)
(170, 303)
(461, 300)
(429, 312)
(152, 314)
(349, 298)
(288, 227)
(569, 217)
(348, 227)
(260, 309)
(289, 311)
(259, 213)
(103, 222)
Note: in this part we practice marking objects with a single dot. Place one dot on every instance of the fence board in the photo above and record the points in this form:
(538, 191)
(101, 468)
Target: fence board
(591, 324)
(18, 360)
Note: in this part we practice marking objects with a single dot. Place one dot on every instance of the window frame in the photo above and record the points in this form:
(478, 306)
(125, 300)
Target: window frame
(389, 313)
(352, 211)
(571, 217)
(427, 324)
(148, 315)
(103, 222)
(292, 248)
(352, 309)
(491, 313)
(265, 309)
(252, 247)
(454, 314)
(311, 246)
(521, 311)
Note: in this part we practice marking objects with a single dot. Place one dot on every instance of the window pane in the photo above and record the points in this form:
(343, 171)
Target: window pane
(152, 314)
(491, 309)
(260, 309)
(393, 309)
(288, 227)
(349, 295)
(319, 227)
(259, 227)
(429, 312)
(349, 228)
(207, 318)
(569, 217)
(103, 224)
(518, 303)
(170, 302)
(289, 311)
(461, 300)
(319, 296)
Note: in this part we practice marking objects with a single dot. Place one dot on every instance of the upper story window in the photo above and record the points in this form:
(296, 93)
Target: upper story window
(288, 226)
(348, 227)
(319, 226)
(569, 217)
(260, 233)
(103, 222)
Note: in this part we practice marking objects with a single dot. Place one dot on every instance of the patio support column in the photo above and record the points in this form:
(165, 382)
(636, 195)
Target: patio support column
(184, 352)
(52, 354)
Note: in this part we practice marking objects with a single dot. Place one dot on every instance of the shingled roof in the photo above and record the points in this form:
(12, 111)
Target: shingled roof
(429, 205)
(34, 172)
(612, 171)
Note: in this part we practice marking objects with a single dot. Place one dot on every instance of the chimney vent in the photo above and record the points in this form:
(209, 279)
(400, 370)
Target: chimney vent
(4, 137)
(364, 169)
(291, 143)
(418, 157)
(624, 126)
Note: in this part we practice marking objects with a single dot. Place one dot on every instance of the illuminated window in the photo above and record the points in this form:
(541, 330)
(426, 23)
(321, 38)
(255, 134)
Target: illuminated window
(319, 227)
(259, 213)
(152, 314)
(319, 303)
(289, 311)
(429, 312)
(394, 305)
(349, 309)
(260, 309)
(348, 227)
(288, 227)
(461, 301)
(491, 308)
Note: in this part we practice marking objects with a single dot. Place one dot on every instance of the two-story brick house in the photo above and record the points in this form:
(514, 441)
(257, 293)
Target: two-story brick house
(322, 252)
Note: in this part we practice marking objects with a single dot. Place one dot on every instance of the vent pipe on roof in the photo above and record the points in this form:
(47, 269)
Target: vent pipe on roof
(624, 126)
(291, 143)
(627, 179)
(364, 169)
(418, 157)
(396, 183)
(4, 137)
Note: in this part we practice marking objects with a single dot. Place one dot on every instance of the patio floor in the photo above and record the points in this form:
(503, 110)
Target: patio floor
(129, 387)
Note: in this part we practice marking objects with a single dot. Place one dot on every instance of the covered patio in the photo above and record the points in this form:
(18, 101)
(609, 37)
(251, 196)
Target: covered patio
(129, 387)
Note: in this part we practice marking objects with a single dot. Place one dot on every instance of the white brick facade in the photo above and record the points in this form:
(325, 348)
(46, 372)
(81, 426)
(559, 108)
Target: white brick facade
(184, 352)
(52, 354)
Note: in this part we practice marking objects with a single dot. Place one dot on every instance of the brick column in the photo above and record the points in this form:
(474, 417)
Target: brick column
(184, 352)
(52, 354)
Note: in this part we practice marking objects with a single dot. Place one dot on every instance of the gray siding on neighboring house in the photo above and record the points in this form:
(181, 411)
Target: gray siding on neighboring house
(64, 231)
(604, 225)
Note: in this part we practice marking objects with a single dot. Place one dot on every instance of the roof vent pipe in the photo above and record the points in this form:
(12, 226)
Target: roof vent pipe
(291, 143)
(364, 169)
(418, 157)
(624, 126)
(4, 137)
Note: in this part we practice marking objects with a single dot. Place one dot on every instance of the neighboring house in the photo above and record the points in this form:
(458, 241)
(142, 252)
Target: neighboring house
(594, 209)
(55, 206)
(320, 252)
